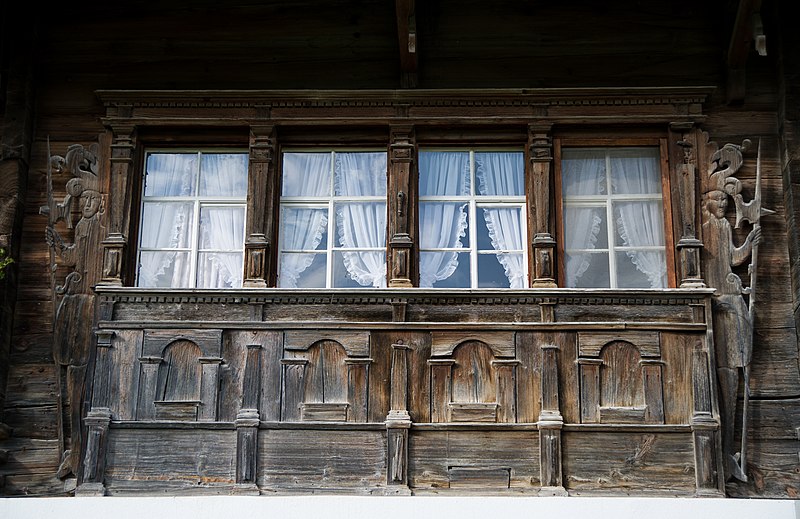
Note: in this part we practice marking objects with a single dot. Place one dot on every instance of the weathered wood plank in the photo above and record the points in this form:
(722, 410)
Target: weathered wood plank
(628, 462)
(433, 453)
(133, 454)
(676, 352)
(313, 460)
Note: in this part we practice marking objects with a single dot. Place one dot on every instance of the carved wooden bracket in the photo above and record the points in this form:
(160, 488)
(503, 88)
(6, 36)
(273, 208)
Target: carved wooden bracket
(542, 252)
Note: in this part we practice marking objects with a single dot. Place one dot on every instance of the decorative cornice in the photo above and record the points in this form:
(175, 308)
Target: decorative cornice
(648, 297)
(663, 104)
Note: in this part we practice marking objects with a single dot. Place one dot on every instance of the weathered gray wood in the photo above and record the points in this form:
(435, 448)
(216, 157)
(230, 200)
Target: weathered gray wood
(293, 388)
(322, 460)
(506, 390)
(356, 344)
(591, 344)
(641, 463)
(433, 454)
(441, 388)
(445, 343)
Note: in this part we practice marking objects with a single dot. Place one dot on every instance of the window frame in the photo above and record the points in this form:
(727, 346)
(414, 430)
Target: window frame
(579, 142)
(198, 203)
(474, 201)
(329, 203)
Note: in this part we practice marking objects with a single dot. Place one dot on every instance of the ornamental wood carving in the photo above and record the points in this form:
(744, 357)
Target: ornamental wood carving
(73, 299)
(733, 304)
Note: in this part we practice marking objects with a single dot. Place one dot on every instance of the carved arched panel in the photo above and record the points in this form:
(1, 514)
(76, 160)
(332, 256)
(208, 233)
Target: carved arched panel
(473, 385)
(474, 379)
(326, 373)
(621, 376)
(180, 373)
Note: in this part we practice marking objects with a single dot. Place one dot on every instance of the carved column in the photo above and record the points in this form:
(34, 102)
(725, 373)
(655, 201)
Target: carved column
(540, 155)
(97, 420)
(550, 424)
(705, 429)
(248, 419)
(682, 146)
(118, 222)
(402, 192)
(398, 422)
(261, 187)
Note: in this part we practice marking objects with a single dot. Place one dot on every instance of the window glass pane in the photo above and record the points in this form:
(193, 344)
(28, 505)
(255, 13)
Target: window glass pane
(360, 174)
(223, 174)
(359, 269)
(635, 171)
(306, 174)
(500, 173)
(444, 173)
(585, 227)
(639, 224)
(361, 224)
(443, 225)
(491, 273)
(164, 269)
(641, 269)
(583, 172)
(170, 174)
(219, 270)
(304, 228)
(587, 270)
(302, 270)
(221, 228)
(444, 270)
(167, 225)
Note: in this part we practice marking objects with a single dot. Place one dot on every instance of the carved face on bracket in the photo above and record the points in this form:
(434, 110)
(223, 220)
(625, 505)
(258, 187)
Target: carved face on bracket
(717, 203)
(90, 203)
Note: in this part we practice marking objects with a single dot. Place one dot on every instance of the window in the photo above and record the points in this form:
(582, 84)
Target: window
(613, 217)
(471, 216)
(192, 219)
(333, 220)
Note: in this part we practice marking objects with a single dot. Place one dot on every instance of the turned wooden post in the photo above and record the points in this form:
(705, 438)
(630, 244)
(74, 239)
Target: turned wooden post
(550, 424)
(118, 223)
(540, 158)
(261, 194)
(248, 419)
(401, 199)
(398, 422)
(682, 147)
(705, 428)
(98, 420)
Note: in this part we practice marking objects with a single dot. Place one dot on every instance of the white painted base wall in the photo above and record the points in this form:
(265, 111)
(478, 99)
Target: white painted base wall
(336, 507)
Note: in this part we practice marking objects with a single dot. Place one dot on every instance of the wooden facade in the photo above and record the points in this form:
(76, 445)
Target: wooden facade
(107, 388)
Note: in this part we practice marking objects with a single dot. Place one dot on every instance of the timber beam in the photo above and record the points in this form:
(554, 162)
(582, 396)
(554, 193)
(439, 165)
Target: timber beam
(407, 41)
(747, 29)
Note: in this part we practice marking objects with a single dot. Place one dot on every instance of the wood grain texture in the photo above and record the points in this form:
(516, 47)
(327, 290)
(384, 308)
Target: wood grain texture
(628, 463)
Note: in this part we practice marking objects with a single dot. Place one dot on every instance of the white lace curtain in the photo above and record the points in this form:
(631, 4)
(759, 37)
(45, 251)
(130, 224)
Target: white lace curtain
(503, 174)
(167, 225)
(442, 224)
(639, 223)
